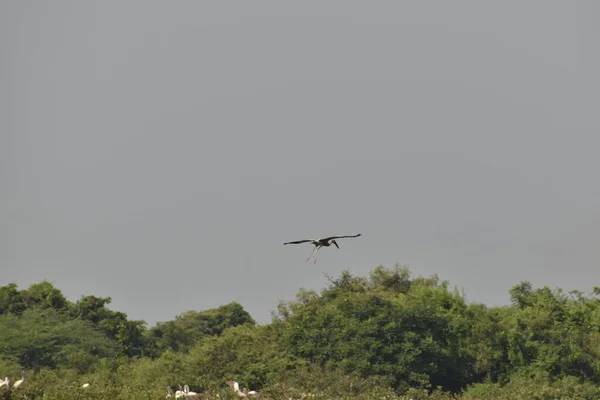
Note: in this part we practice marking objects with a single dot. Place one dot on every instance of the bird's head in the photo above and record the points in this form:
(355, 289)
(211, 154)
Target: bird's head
(334, 242)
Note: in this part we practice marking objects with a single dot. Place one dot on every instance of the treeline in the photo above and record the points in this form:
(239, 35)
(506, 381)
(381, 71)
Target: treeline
(385, 335)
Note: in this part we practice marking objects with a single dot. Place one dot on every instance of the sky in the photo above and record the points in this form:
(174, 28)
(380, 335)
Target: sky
(160, 153)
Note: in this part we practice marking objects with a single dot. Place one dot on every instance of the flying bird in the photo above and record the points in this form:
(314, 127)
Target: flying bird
(318, 243)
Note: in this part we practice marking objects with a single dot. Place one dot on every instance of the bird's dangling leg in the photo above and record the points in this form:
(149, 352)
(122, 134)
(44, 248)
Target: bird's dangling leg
(311, 253)
(316, 254)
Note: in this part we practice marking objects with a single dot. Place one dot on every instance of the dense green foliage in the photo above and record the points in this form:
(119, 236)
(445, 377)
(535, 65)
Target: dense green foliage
(383, 336)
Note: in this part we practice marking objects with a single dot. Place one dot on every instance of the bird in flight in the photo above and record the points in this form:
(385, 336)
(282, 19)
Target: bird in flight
(318, 243)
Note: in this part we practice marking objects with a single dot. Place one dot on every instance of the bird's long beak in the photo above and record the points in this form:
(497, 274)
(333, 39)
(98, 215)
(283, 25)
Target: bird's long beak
(336, 245)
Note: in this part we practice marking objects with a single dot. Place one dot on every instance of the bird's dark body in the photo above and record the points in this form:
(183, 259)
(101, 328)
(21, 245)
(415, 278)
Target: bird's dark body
(325, 243)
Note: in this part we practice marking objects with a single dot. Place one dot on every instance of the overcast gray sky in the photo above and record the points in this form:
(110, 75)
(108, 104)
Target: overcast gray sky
(160, 152)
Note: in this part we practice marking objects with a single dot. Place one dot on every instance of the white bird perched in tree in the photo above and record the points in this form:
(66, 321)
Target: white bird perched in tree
(236, 389)
(318, 243)
(186, 390)
(20, 381)
(250, 393)
(6, 382)
(179, 393)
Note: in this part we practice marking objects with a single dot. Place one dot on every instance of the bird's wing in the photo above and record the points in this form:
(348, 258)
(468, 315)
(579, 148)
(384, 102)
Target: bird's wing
(339, 237)
(299, 241)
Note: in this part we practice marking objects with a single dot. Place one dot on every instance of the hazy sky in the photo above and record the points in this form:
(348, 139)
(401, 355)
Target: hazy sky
(161, 152)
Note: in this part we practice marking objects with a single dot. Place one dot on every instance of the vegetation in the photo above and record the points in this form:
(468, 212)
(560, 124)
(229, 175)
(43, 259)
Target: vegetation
(387, 335)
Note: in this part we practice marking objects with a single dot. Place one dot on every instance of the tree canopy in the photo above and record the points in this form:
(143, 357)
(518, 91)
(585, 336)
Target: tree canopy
(386, 334)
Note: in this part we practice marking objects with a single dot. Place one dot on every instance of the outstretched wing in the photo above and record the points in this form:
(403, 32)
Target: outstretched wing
(299, 241)
(339, 237)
